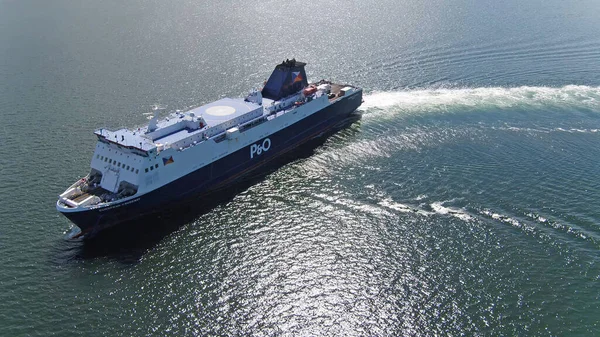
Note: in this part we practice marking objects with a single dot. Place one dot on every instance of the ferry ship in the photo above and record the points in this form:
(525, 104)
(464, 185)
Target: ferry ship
(193, 154)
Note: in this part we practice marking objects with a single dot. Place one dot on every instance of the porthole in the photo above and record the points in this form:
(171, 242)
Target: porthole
(156, 165)
(146, 170)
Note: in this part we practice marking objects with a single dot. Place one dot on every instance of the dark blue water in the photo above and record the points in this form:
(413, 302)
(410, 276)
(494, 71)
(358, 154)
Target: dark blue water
(465, 202)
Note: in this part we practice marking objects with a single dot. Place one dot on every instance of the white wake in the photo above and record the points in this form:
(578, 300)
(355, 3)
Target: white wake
(572, 96)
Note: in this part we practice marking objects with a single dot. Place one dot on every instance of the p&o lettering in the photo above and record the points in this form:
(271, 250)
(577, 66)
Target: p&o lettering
(258, 149)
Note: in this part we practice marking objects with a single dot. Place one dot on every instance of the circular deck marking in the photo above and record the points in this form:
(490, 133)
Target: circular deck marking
(220, 110)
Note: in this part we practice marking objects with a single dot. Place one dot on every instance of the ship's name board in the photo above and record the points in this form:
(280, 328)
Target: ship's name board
(259, 148)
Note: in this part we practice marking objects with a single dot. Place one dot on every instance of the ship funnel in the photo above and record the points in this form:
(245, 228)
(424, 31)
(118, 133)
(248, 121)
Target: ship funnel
(288, 78)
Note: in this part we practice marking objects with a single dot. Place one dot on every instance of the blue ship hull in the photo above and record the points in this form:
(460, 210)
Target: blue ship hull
(223, 173)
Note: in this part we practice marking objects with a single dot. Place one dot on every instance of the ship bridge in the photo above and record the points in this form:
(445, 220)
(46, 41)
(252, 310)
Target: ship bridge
(126, 138)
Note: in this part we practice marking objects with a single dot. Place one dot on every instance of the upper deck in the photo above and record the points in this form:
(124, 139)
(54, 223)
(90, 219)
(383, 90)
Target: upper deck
(194, 125)
(286, 89)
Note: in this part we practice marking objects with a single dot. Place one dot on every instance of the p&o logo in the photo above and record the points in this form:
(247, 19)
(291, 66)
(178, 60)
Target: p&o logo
(258, 149)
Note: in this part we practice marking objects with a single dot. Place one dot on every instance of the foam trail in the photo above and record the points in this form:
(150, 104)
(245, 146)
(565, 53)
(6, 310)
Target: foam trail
(403, 208)
(389, 104)
(438, 207)
(574, 96)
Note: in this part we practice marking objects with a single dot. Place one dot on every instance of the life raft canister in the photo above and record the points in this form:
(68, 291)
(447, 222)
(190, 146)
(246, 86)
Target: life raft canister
(309, 91)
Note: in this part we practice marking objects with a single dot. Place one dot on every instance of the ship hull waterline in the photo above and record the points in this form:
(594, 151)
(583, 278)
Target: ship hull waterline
(222, 173)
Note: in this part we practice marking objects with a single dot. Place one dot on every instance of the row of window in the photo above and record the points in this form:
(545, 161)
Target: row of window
(152, 168)
(126, 167)
(119, 164)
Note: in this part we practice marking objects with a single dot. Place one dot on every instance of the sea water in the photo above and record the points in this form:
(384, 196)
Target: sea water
(465, 202)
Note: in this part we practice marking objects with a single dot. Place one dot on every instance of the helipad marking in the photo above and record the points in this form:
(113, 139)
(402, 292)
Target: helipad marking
(220, 110)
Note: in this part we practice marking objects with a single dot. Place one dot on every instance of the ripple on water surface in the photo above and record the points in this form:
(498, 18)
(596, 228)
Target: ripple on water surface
(399, 224)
